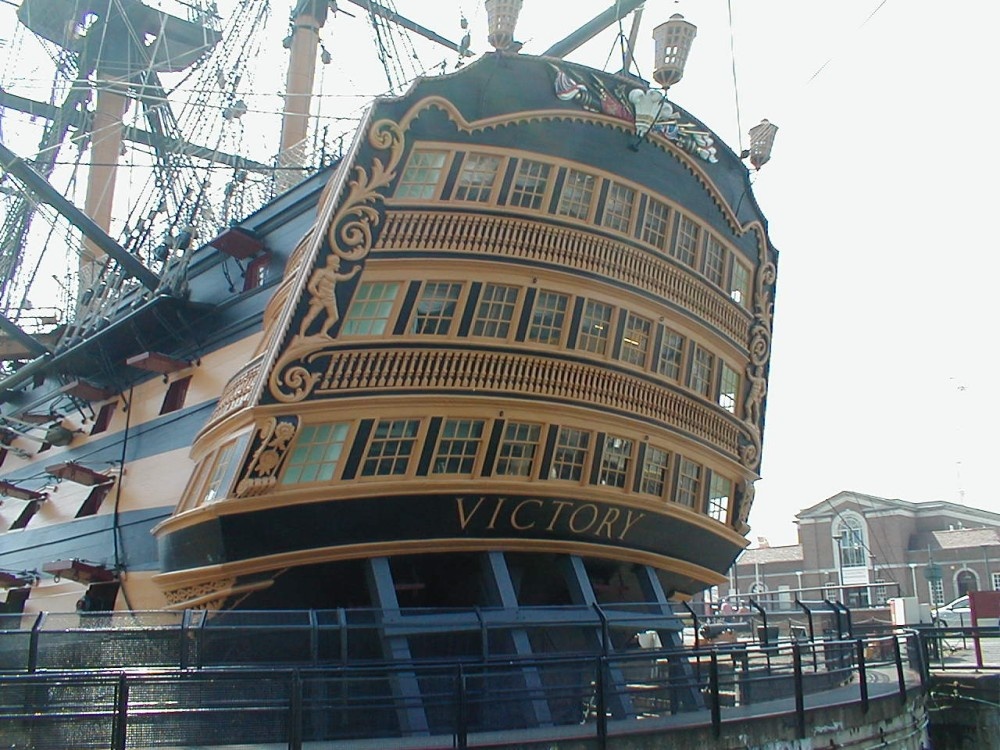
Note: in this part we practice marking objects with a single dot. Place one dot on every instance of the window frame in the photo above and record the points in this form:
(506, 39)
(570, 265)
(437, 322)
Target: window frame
(702, 371)
(436, 187)
(485, 193)
(414, 441)
(740, 295)
(300, 444)
(452, 321)
(729, 395)
(680, 350)
(625, 452)
(689, 485)
(613, 216)
(685, 243)
(658, 237)
(567, 208)
(510, 323)
(515, 196)
(714, 248)
(715, 509)
(350, 320)
(508, 441)
(584, 337)
(646, 340)
(661, 478)
(565, 314)
(582, 449)
(468, 463)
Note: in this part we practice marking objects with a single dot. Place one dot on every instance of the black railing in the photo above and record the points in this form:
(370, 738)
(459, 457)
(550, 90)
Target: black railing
(596, 696)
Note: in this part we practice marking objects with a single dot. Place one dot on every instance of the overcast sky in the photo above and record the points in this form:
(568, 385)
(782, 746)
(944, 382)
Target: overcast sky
(880, 197)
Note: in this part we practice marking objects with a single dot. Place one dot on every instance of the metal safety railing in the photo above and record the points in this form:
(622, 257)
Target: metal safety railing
(596, 695)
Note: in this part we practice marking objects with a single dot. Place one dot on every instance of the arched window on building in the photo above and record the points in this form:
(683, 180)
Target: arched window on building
(850, 537)
(966, 581)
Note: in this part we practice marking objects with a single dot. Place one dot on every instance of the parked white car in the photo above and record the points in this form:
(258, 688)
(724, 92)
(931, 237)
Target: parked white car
(956, 614)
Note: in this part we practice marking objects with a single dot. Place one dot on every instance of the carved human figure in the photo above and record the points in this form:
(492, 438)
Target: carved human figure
(322, 287)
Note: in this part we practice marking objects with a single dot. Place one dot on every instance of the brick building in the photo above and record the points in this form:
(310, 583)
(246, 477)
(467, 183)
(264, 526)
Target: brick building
(862, 550)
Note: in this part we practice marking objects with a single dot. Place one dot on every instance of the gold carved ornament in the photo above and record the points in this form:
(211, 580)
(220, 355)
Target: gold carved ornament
(350, 236)
(273, 440)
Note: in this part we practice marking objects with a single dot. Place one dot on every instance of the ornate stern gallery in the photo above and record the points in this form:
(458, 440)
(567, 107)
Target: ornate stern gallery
(520, 359)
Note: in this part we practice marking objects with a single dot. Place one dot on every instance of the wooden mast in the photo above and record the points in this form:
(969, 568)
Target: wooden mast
(105, 148)
(307, 19)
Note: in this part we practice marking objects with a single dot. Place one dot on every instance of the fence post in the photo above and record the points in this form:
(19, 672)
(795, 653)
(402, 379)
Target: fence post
(862, 674)
(800, 702)
(713, 690)
(182, 657)
(461, 719)
(295, 719)
(897, 653)
(119, 727)
(601, 703)
(33, 642)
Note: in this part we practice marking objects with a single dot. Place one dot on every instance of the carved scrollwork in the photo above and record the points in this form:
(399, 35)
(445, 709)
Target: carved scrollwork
(203, 592)
(271, 447)
(351, 234)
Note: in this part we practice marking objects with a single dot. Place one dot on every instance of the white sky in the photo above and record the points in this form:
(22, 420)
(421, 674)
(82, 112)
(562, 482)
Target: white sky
(879, 197)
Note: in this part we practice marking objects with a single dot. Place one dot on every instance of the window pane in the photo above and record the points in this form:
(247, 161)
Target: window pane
(671, 355)
(495, 311)
(701, 371)
(570, 457)
(594, 327)
(729, 388)
(719, 493)
(714, 263)
(739, 283)
(618, 207)
(422, 174)
(654, 471)
(635, 343)
(655, 223)
(316, 453)
(615, 461)
(518, 449)
(688, 484)
(436, 307)
(685, 247)
(458, 445)
(529, 185)
(390, 448)
(577, 195)
(475, 182)
(222, 463)
(547, 318)
(370, 309)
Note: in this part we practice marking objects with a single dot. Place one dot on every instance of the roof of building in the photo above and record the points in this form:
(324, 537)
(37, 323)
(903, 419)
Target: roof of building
(963, 538)
(874, 503)
(790, 553)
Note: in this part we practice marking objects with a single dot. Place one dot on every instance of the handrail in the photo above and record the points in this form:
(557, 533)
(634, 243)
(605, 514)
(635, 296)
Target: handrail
(468, 696)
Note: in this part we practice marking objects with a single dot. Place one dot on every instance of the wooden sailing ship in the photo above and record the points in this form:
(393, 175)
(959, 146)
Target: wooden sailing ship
(511, 349)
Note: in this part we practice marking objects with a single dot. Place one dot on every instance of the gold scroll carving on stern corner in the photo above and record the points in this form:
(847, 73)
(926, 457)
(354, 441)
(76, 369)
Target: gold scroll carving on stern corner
(271, 447)
(350, 236)
(756, 372)
(202, 591)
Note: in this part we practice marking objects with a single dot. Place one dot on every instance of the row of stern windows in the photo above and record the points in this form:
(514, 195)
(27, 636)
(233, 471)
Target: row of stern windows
(474, 448)
(498, 180)
(511, 313)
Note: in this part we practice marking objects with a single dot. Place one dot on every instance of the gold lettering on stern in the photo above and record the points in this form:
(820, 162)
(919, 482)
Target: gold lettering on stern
(513, 515)
(584, 519)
